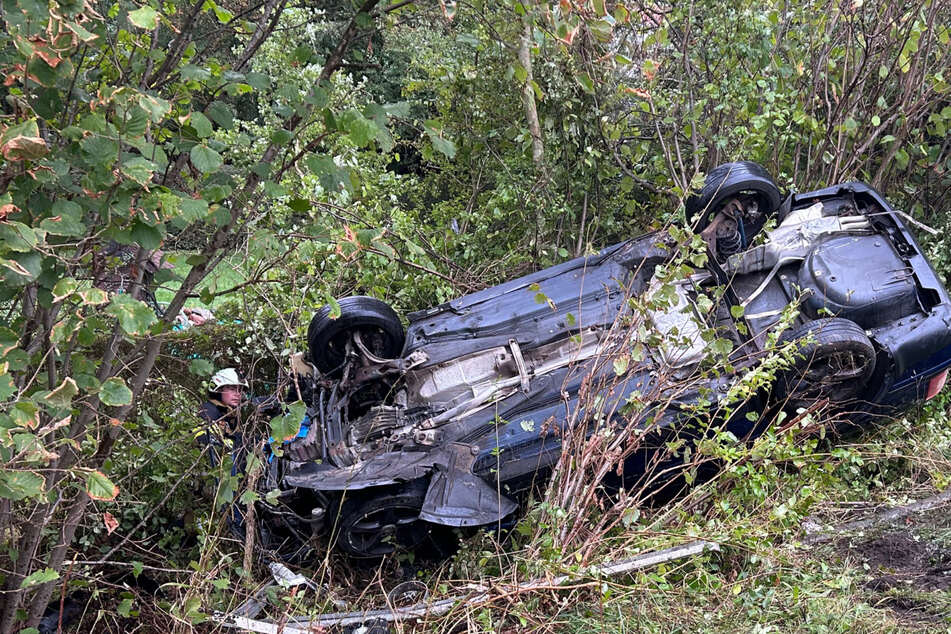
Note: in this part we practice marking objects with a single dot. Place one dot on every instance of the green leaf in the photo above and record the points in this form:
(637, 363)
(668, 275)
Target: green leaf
(86, 36)
(114, 392)
(144, 18)
(302, 54)
(224, 16)
(134, 316)
(332, 177)
(155, 106)
(22, 268)
(249, 497)
(300, 205)
(16, 236)
(137, 568)
(62, 396)
(125, 608)
(99, 487)
(139, 169)
(205, 159)
(25, 414)
(7, 388)
(259, 81)
(193, 209)
(285, 427)
(440, 143)
(193, 611)
(585, 82)
(721, 346)
(136, 122)
(190, 72)
(94, 296)
(201, 123)
(520, 73)
(317, 97)
(222, 583)
(66, 220)
(40, 576)
(335, 309)
(9, 341)
(362, 131)
(19, 485)
(221, 114)
(201, 367)
(147, 236)
(281, 137)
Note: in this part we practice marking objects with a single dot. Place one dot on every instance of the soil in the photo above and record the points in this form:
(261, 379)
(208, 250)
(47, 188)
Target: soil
(909, 567)
(900, 560)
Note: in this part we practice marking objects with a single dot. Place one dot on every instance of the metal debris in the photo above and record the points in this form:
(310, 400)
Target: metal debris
(480, 594)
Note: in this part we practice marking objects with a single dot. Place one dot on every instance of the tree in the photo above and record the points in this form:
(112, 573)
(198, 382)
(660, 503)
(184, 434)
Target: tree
(111, 137)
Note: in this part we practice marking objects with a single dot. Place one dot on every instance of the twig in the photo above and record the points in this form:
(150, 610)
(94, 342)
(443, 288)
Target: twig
(125, 564)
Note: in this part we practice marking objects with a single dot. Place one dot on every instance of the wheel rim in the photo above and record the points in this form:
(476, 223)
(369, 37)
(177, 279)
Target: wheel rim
(835, 374)
(378, 532)
(375, 339)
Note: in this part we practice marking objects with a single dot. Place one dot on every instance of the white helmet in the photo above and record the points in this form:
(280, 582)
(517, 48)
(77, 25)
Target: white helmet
(223, 378)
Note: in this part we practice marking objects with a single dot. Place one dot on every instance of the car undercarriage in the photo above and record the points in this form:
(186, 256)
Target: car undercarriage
(444, 424)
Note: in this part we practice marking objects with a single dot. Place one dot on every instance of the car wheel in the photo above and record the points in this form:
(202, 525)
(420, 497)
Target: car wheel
(378, 325)
(834, 362)
(375, 524)
(748, 195)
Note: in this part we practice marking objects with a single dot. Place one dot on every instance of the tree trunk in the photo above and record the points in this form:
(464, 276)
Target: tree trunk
(528, 96)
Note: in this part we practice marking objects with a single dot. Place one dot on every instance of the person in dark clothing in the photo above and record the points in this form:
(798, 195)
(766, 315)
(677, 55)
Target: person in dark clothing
(223, 432)
(222, 414)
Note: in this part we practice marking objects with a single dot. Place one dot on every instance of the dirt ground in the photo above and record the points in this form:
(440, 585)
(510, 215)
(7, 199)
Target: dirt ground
(908, 566)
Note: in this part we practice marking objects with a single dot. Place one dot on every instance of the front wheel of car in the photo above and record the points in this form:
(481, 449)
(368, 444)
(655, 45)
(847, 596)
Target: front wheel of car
(374, 523)
(733, 206)
(377, 325)
(834, 360)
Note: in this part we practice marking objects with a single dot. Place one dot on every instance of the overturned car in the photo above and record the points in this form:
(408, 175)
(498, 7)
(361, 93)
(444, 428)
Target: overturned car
(443, 424)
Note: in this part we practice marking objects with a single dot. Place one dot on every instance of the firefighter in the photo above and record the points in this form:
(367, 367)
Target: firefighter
(223, 432)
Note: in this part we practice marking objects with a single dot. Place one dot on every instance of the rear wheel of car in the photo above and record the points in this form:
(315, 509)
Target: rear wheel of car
(834, 361)
(748, 194)
(377, 324)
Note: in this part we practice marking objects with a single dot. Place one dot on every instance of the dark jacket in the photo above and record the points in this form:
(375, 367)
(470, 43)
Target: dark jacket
(222, 434)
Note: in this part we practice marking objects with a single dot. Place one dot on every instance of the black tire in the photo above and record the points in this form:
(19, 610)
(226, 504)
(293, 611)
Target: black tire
(834, 362)
(372, 524)
(377, 323)
(730, 180)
